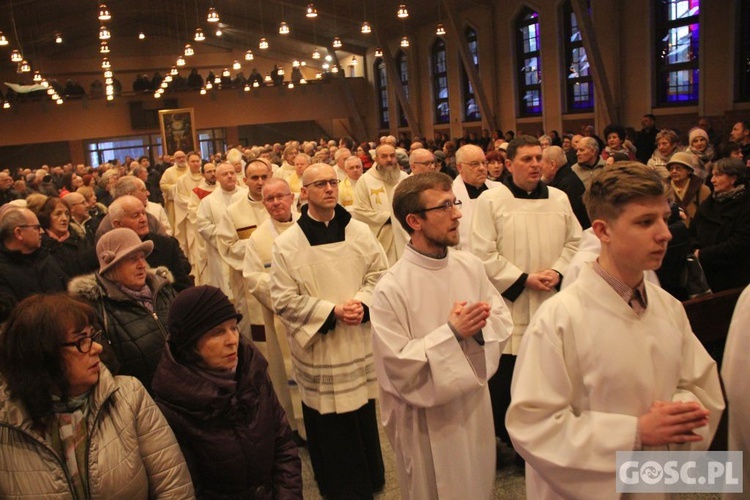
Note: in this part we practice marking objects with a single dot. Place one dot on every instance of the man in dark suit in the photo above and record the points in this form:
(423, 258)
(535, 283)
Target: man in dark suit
(557, 173)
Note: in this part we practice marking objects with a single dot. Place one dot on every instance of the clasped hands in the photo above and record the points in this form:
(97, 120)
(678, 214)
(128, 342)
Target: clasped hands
(671, 423)
(468, 320)
(350, 312)
(543, 281)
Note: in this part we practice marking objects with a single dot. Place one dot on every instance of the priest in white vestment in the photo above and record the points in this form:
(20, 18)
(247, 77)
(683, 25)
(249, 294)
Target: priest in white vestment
(196, 246)
(169, 180)
(210, 211)
(322, 274)
(470, 182)
(734, 371)
(239, 221)
(353, 168)
(373, 197)
(611, 364)
(439, 327)
(278, 200)
(525, 233)
(184, 231)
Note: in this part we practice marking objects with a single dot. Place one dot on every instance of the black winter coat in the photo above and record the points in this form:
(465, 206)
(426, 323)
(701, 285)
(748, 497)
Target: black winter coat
(235, 438)
(722, 232)
(75, 256)
(137, 336)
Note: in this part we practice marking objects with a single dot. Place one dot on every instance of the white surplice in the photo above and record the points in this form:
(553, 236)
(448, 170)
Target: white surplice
(184, 231)
(373, 200)
(334, 371)
(210, 211)
(434, 400)
(196, 246)
(514, 236)
(588, 368)
(256, 273)
(167, 185)
(467, 210)
(735, 371)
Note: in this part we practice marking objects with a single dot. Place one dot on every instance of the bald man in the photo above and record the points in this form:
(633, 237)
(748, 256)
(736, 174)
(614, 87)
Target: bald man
(421, 160)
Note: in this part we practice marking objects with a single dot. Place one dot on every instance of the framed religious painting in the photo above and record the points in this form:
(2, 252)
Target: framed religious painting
(178, 130)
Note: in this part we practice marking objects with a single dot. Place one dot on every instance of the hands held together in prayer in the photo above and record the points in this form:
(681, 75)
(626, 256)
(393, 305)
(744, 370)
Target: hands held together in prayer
(543, 281)
(468, 320)
(350, 312)
(671, 423)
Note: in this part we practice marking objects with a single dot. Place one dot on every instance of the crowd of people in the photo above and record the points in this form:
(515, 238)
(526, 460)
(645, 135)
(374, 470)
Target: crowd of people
(236, 307)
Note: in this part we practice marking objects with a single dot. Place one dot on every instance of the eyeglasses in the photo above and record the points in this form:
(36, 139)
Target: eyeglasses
(446, 207)
(432, 162)
(36, 227)
(84, 343)
(475, 164)
(278, 197)
(322, 184)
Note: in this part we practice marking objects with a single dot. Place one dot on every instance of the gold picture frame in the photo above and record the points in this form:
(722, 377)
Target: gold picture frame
(178, 130)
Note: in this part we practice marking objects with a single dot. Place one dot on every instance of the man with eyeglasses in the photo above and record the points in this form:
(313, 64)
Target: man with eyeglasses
(372, 201)
(279, 202)
(25, 268)
(470, 182)
(439, 327)
(323, 270)
(526, 233)
(421, 160)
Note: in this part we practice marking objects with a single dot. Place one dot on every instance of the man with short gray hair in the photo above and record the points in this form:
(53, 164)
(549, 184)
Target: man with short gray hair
(589, 159)
(557, 173)
(421, 160)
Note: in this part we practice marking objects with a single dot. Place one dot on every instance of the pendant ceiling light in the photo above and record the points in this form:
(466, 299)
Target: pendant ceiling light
(378, 52)
(104, 14)
(189, 50)
(366, 28)
(283, 28)
(405, 42)
(336, 42)
(263, 45)
(104, 33)
(440, 31)
(199, 36)
(402, 12)
(311, 11)
(249, 55)
(3, 39)
(213, 16)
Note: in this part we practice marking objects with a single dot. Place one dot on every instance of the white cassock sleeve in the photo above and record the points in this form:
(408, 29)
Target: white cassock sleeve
(257, 280)
(204, 222)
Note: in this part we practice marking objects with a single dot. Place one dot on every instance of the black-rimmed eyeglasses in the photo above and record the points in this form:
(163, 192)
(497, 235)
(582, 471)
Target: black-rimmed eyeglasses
(322, 184)
(84, 343)
(446, 207)
(35, 227)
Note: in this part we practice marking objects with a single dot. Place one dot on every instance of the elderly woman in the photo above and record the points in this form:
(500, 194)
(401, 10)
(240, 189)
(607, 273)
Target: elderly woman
(131, 300)
(68, 428)
(687, 189)
(721, 228)
(75, 255)
(666, 146)
(214, 389)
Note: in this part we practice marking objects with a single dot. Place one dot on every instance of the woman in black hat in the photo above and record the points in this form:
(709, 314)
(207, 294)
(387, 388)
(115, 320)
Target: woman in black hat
(214, 390)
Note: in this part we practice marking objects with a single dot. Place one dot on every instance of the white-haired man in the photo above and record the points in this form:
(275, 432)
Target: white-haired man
(470, 182)
(169, 180)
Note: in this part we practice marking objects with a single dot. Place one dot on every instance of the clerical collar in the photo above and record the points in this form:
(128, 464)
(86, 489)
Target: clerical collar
(540, 192)
(443, 254)
(250, 198)
(474, 191)
(320, 233)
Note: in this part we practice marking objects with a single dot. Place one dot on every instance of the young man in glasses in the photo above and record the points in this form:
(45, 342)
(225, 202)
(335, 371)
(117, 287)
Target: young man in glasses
(526, 234)
(323, 270)
(438, 329)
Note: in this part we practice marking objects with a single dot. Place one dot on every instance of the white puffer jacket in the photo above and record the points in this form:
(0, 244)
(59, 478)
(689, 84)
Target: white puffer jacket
(132, 451)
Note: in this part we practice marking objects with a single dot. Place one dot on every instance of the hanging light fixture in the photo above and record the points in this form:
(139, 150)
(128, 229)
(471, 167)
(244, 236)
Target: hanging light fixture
(247, 87)
(104, 48)
(109, 90)
(108, 74)
(402, 12)
(180, 61)
(199, 36)
(58, 38)
(353, 62)
(104, 14)
(236, 65)
(157, 95)
(164, 84)
(326, 65)
(110, 98)
(3, 41)
(59, 100)
(141, 36)
(302, 81)
(50, 91)
(295, 64)
(45, 83)
(104, 33)
(366, 28)
(291, 85)
(37, 77)
(405, 42)
(249, 55)
(108, 81)
(311, 11)
(213, 16)
(316, 54)
(167, 79)
(203, 91)
(225, 73)
(281, 71)
(335, 69)
(268, 79)
(219, 32)
(209, 85)
(174, 71)
(189, 50)
(106, 64)
(378, 52)
(440, 31)
(256, 84)
(283, 28)
(217, 79)
(15, 56)
(263, 45)
(336, 42)
(6, 105)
